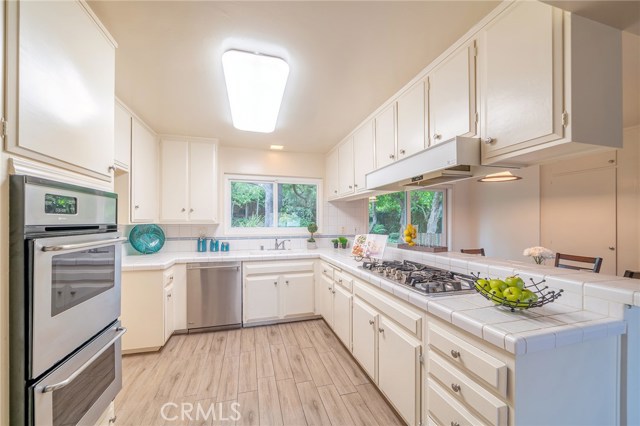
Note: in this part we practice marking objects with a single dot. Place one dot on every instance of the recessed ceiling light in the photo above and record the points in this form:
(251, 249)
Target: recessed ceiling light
(255, 85)
(277, 147)
(500, 177)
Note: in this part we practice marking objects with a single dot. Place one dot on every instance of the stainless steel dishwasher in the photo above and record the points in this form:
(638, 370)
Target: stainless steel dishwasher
(214, 295)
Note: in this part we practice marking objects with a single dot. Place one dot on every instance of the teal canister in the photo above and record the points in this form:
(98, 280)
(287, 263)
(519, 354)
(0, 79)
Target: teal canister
(214, 245)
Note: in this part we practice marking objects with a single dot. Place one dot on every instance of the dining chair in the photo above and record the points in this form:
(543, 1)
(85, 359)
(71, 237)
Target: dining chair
(479, 251)
(632, 274)
(594, 262)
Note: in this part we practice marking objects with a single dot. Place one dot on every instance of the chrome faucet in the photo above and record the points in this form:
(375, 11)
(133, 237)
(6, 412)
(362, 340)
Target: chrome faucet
(280, 245)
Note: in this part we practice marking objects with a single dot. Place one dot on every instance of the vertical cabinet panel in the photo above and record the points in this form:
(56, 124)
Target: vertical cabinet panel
(365, 334)
(452, 98)
(261, 297)
(174, 163)
(122, 137)
(169, 315)
(411, 121)
(345, 167)
(325, 299)
(144, 174)
(297, 294)
(521, 78)
(342, 314)
(331, 174)
(385, 125)
(363, 150)
(400, 385)
(203, 184)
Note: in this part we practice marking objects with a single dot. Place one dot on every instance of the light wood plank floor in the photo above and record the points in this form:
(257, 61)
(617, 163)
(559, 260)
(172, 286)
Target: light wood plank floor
(287, 374)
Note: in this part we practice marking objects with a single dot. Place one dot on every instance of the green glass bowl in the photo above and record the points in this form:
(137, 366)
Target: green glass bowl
(147, 239)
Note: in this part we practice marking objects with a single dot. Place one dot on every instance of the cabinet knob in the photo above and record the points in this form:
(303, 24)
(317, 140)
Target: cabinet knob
(333, 291)
(380, 330)
(371, 322)
(168, 295)
(436, 136)
(111, 168)
(350, 186)
(73, 292)
(488, 140)
(136, 207)
(402, 152)
(392, 156)
(455, 424)
(612, 248)
(455, 387)
(286, 282)
(335, 191)
(190, 210)
(340, 280)
(184, 210)
(275, 283)
(329, 288)
(455, 353)
(355, 185)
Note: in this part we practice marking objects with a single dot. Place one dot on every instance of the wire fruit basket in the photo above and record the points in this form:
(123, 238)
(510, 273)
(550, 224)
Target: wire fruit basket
(533, 295)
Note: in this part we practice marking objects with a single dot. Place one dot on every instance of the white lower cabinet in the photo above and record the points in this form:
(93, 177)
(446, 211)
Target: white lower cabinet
(342, 314)
(365, 336)
(277, 290)
(325, 299)
(169, 315)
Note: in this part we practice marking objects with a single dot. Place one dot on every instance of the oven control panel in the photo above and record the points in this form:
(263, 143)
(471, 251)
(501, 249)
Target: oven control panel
(60, 204)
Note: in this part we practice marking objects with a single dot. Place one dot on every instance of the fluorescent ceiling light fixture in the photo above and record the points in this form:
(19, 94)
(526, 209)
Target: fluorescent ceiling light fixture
(255, 85)
(277, 147)
(499, 177)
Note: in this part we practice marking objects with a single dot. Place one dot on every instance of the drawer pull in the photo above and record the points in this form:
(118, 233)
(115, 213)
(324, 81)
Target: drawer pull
(455, 387)
(275, 283)
(381, 330)
(455, 353)
(371, 322)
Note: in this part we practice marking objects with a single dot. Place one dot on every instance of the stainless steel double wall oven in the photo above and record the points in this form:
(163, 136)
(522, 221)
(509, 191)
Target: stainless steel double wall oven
(65, 265)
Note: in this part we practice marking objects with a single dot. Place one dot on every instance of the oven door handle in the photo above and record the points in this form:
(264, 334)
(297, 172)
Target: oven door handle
(72, 377)
(84, 245)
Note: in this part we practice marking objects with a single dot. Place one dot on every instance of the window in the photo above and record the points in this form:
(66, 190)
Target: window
(269, 204)
(424, 209)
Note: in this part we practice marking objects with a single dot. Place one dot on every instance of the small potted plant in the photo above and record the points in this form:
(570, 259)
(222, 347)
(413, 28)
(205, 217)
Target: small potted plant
(311, 242)
(343, 242)
(335, 242)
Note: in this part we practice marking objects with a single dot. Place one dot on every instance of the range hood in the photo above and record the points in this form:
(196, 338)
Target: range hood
(446, 162)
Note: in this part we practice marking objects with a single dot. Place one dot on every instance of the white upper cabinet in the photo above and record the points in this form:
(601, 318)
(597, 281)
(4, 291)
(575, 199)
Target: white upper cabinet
(385, 137)
(411, 121)
(345, 167)
(452, 100)
(188, 187)
(546, 88)
(363, 161)
(331, 174)
(122, 138)
(60, 91)
(144, 174)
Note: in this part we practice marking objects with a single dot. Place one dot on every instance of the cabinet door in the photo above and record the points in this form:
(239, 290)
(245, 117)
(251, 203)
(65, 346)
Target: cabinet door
(363, 161)
(202, 181)
(325, 299)
(122, 137)
(452, 110)
(386, 136)
(169, 315)
(174, 180)
(297, 294)
(142, 310)
(399, 369)
(342, 314)
(144, 174)
(365, 334)
(61, 82)
(521, 78)
(261, 298)
(331, 174)
(345, 167)
(411, 121)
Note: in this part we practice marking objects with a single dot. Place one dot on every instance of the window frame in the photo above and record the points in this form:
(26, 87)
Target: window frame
(272, 230)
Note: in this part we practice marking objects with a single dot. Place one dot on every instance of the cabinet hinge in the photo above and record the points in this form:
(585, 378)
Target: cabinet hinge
(565, 119)
(476, 117)
(475, 51)
(421, 358)
(4, 127)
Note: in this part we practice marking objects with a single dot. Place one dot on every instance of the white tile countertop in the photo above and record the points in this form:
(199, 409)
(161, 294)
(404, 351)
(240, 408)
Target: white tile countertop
(592, 305)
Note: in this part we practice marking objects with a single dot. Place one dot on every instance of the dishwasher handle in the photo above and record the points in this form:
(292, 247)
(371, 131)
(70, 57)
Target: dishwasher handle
(237, 268)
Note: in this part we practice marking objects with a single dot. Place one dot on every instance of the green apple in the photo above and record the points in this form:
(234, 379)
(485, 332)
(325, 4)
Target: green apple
(514, 282)
(496, 295)
(528, 296)
(512, 294)
(497, 284)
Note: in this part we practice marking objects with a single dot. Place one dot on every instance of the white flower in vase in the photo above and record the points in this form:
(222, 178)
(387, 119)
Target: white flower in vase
(539, 254)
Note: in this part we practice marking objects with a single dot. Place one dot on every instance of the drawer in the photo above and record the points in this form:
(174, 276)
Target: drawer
(468, 391)
(326, 270)
(384, 303)
(276, 267)
(446, 410)
(167, 277)
(343, 279)
(468, 357)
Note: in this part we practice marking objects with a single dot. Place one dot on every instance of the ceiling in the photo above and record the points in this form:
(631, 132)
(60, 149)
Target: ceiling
(346, 59)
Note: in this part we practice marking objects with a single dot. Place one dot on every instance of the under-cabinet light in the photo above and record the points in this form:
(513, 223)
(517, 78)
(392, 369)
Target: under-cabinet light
(277, 147)
(500, 177)
(255, 86)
